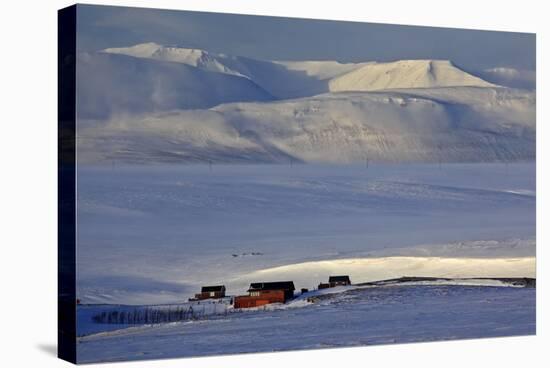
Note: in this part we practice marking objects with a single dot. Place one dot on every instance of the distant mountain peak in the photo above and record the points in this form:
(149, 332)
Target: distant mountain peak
(406, 74)
(291, 79)
(190, 56)
(141, 50)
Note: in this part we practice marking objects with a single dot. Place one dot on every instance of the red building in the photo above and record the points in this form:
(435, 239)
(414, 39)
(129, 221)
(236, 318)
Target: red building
(262, 293)
(211, 292)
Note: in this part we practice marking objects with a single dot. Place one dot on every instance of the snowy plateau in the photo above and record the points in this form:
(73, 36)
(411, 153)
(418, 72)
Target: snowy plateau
(197, 168)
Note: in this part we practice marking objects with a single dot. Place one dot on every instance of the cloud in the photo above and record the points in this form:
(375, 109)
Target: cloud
(271, 38)
(511, 77)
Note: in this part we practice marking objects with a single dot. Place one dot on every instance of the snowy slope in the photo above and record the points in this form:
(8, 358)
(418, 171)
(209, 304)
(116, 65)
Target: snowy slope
(454, 124)
(281, 79)
(110, 84)
(101, 318)
(291, 79)
(221, 62)
(302, 111)
(394, 314)
(193, 57)
(375, 268)
(405, 74)
(154, 103)
(326, 69)
(154, 234)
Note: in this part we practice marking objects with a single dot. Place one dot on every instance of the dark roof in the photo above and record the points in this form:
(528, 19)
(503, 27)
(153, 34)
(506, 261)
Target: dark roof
(277, 285)
(207, 289)
(339, 279)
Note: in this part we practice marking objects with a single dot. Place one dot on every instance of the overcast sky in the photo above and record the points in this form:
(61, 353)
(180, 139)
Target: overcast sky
(276, 38)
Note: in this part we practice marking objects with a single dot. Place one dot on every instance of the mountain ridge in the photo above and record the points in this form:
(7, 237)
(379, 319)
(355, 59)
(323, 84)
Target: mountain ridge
(151, 103)
(307, 78)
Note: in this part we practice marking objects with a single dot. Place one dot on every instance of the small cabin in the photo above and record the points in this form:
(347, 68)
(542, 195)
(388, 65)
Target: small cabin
(262, 293)
(339, 281)
(211, 292)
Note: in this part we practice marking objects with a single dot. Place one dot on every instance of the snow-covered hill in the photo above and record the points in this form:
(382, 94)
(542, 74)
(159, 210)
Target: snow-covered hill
(405, 74)
(281, 79)
(454, 124)
(392, 314)
(152, 103)
(168, 225)
(290, 79)
(193, 57)
(110, 84)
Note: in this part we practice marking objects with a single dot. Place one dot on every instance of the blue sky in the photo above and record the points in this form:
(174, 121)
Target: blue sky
(301, 39)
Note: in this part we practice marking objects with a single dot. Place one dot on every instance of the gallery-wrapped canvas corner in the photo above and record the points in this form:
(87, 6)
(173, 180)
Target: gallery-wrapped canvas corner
(237, 184)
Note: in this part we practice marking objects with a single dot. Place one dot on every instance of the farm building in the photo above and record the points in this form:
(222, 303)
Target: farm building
(335, 281)
(211, 292)
(262, 293)
(339, 281)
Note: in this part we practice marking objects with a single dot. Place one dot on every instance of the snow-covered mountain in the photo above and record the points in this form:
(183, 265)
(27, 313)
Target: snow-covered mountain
(193, 57)
(281, 79)
(150, 103)
(289, 79)
(111, 84)
(405, 74)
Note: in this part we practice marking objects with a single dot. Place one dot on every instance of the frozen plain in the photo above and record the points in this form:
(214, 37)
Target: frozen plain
(155, 234)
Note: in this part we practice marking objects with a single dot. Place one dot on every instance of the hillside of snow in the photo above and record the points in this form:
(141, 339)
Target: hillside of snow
(454, 124)
(154, 234)
(282, 80)
(291, 79)
(351, 317)
(110, 84)
(405, 74)
(193, 57)
(150, 103)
